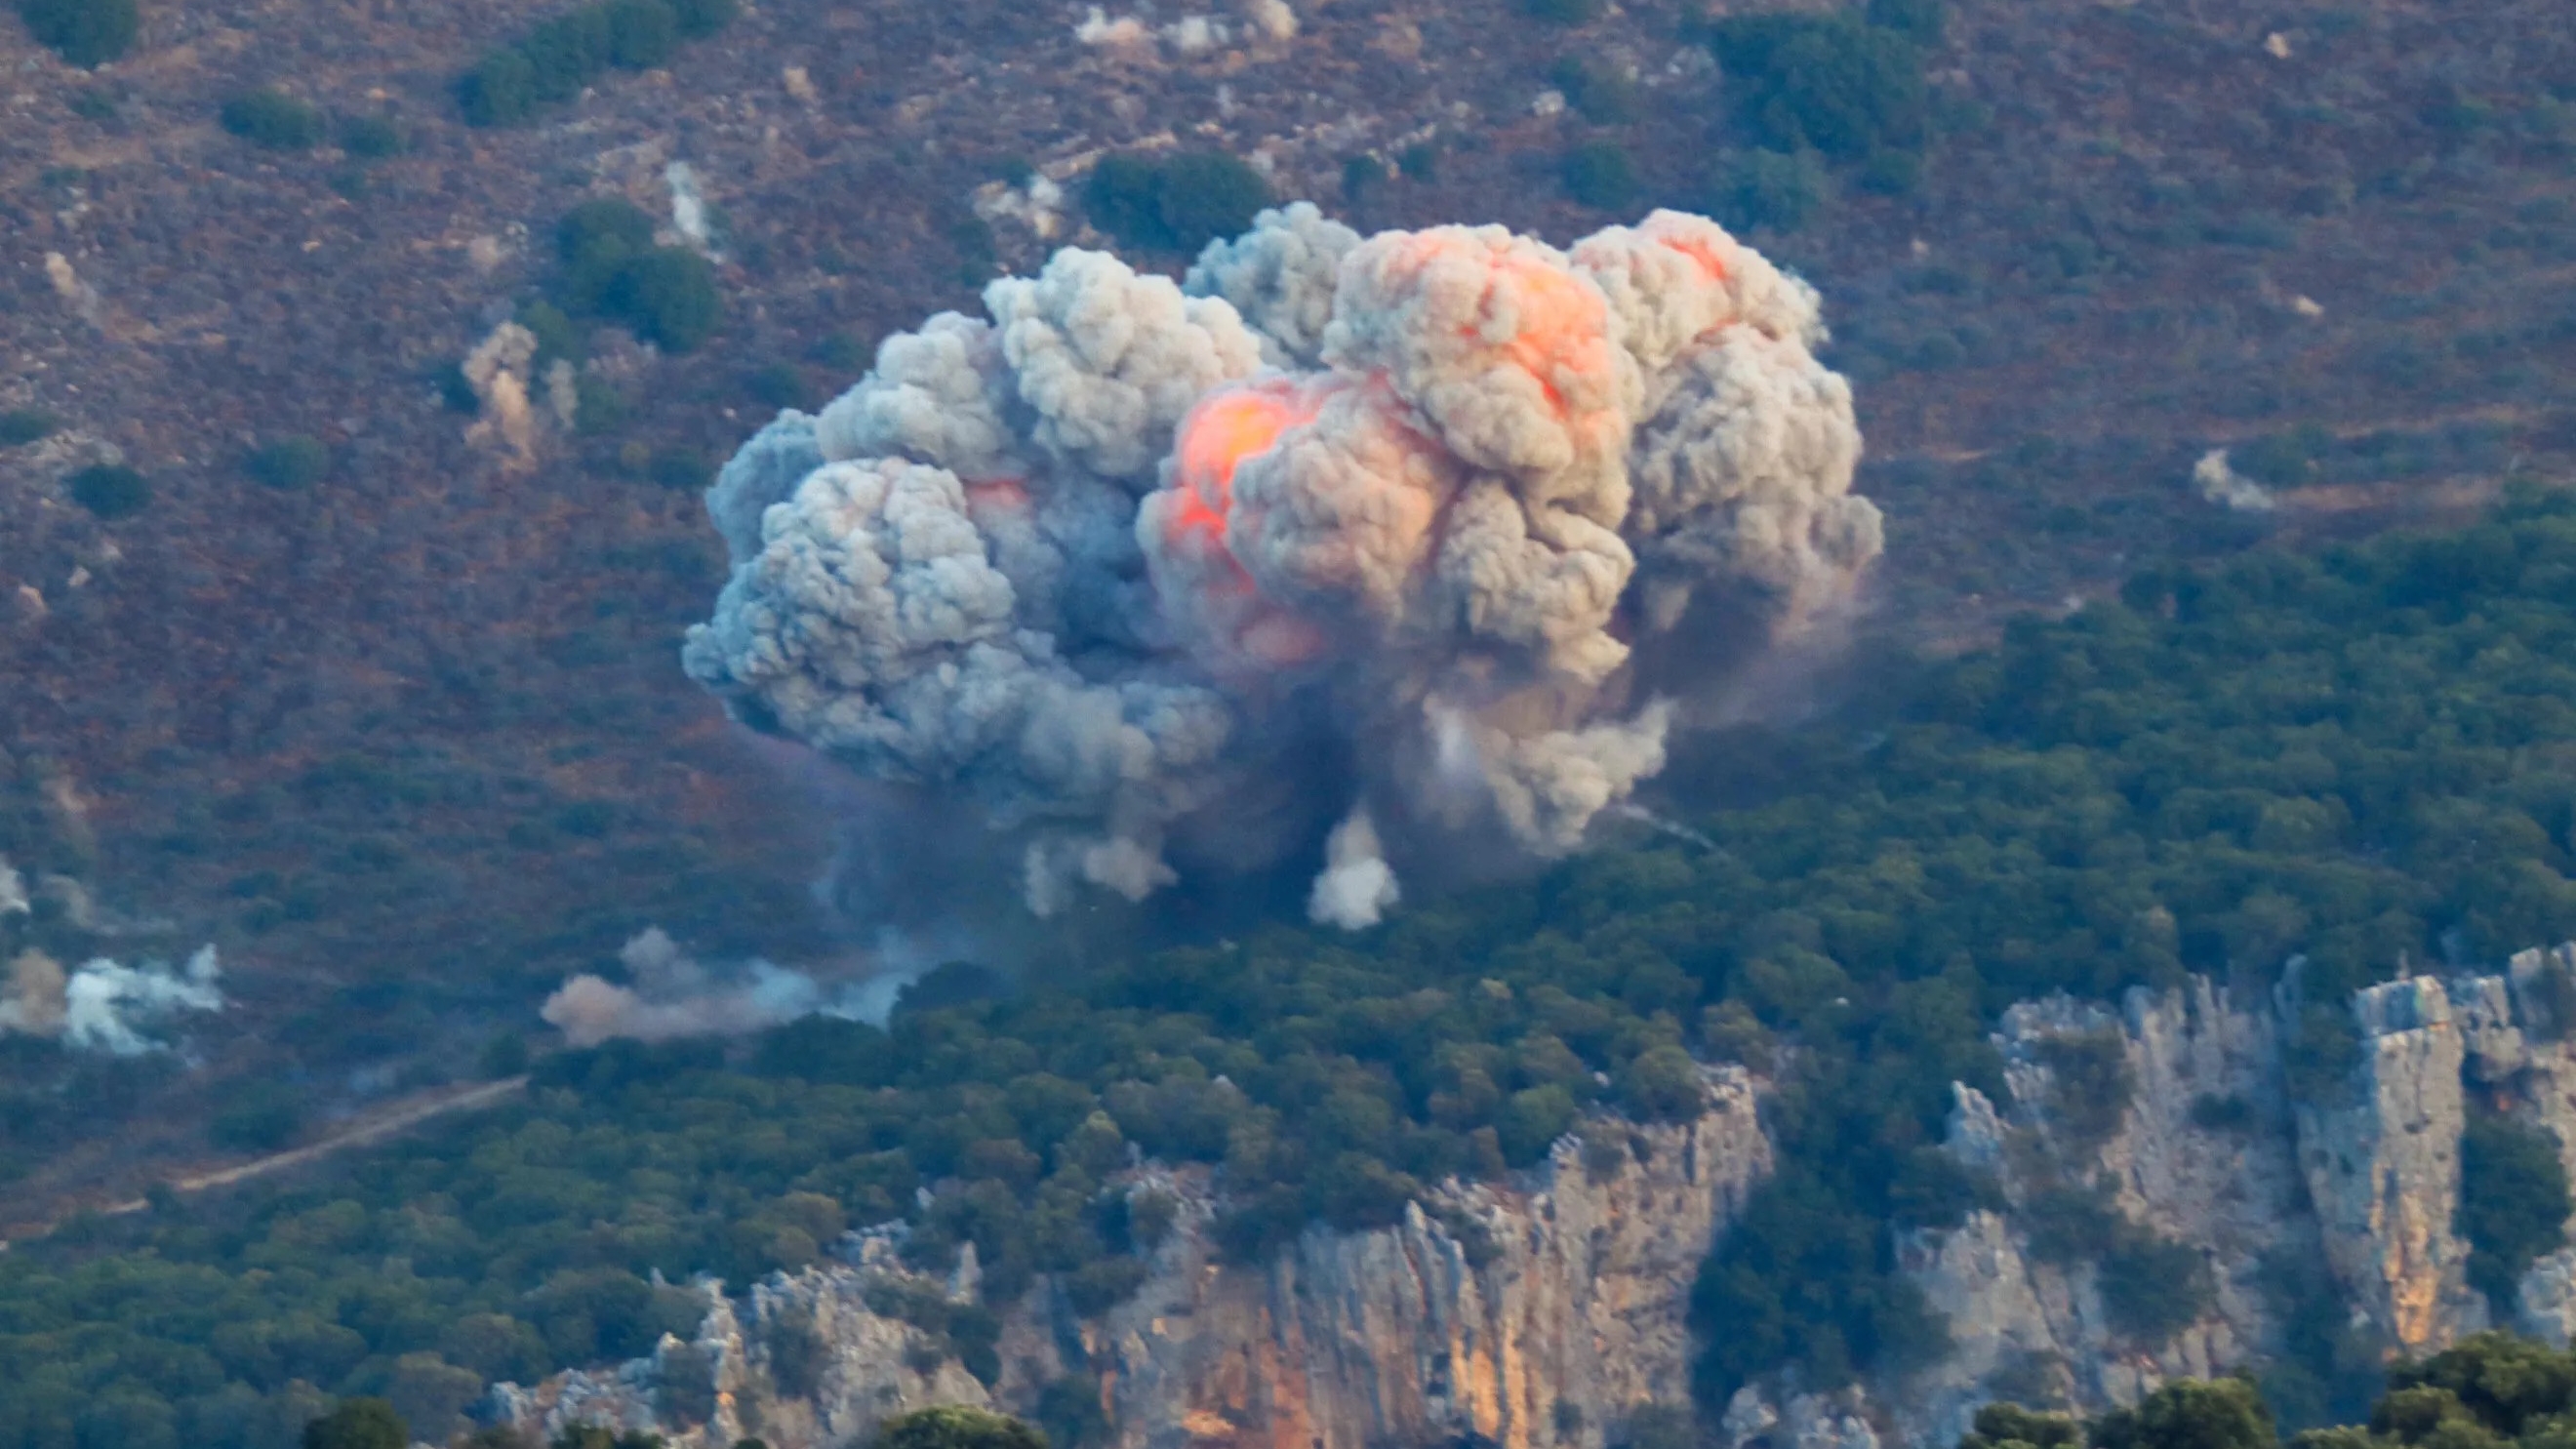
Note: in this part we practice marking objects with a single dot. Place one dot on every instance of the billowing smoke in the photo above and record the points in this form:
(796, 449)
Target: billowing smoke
(103, 1006)
(671, 995)
(1154, 578)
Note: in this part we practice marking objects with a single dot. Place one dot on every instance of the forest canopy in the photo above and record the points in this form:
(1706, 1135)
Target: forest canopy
(2356, 757)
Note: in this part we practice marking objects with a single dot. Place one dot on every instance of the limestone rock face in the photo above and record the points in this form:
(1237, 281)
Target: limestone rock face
(1540, 1313)
(2384, 1169)
(2200, 1155)
(1533, 1314)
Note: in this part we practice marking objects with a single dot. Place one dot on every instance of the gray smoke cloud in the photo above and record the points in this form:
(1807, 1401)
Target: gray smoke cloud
(672, 995)
(1341, 528)
(103, 1006)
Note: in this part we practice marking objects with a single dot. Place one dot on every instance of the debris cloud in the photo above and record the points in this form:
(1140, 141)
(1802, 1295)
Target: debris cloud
(1341, 534)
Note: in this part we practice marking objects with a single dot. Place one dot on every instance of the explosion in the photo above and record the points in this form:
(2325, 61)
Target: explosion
(1341, 534)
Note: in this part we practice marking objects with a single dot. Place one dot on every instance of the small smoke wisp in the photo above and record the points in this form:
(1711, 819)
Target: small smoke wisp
(671, 995)
(2220, 483)
(1420, 533)
(103, 1006)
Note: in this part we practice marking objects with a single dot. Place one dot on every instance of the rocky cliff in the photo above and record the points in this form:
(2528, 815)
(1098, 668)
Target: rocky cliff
(1537, 1312)
(2159, 1196)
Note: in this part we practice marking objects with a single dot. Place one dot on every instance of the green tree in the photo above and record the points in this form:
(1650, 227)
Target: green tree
(2190, 1414)
(2513, 1201)
(2010, 1426)
(358, 1424)
(110, 491)
(288, 464)
(87, 33)
(21, 426)
(271, 118)
(1601, 175)
(1173, 203)
(955, 1426)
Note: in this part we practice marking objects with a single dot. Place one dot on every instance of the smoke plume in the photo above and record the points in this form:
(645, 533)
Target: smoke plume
(104, 1006)
(673, 996)
(1153, 578)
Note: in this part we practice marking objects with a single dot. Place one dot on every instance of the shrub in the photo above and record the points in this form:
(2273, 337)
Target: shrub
(288, 463)
(2513, 1201)
(1999, 1425)
(21, 426)
(600, 233)
(1178, 203)
(2191, 1414)
(955, 1426)
(1601, 175)
(111, 491)
(269, 117)
(370, 138)
(558, 336)
(1833, 83)
(641, 33)
(1781, 190)
(559, 56)
(2093, 1085)
(500, 89)
(358, 1424)
(668, 295)
(87, 33)
(2153, 1288)
(1606, 97)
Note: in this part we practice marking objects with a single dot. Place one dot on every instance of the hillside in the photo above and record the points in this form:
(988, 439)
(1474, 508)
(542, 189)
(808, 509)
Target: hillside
(388, 709)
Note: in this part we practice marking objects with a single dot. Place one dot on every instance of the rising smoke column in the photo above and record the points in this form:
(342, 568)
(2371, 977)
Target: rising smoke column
(1369, 525)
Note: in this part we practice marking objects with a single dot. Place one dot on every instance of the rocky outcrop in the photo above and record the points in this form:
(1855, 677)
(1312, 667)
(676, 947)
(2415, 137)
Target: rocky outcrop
(1535, 1313)
(2199, 1155)
(1542, 1312)
(2383, 1169)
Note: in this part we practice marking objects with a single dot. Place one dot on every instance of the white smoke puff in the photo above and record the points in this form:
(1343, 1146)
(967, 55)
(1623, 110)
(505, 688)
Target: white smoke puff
(1110, 360)
(34, 1002)
(1357, 887)
(1549, 786)
(497, 371)
(563, 394)
(688, 204)
(2220, 483)
(1124, 33)
(935, 396)
(1674, 279)
(13, 891)
(1133, 868)
(673, 996)
(1745, 475)
(1194, 35)
(1279, 276)
(762, 472)
(107, 1006)
(1272, 18)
